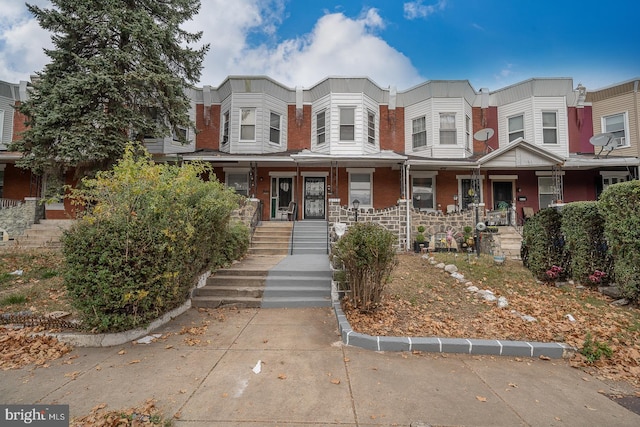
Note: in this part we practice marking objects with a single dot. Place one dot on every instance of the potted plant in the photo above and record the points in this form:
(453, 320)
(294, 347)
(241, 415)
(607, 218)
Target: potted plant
(468, 235)
(418, 244)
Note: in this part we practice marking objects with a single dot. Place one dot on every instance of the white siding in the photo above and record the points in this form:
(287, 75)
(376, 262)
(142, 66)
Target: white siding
(415, 111)
(524, 107)
(321, 104)
(240, 101)
(174, 147)
(339, 100)
(225, 106)
(370, 104)
(557, 105)
(275, 105)
(6, 121)
(448, 105)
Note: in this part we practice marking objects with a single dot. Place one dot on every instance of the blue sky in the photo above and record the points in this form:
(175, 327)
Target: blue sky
(491, 43)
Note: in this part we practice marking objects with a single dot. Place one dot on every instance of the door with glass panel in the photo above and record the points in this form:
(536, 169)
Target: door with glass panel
(314, 197)
(281, 195)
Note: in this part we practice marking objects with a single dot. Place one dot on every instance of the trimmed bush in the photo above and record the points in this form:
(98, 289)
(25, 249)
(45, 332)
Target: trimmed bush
(367, 254)
(149, 230)
(619, 205)
(543, 244)
(585, 245)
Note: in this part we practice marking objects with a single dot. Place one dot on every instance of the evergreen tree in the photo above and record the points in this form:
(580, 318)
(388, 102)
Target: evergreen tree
(119, 70)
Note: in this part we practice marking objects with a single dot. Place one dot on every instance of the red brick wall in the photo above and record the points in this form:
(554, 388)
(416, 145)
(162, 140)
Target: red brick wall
(16, 183)
(299, 130)
(18, 123)
(580, 129)
(485, 118)
(392, 129)
(208, 128)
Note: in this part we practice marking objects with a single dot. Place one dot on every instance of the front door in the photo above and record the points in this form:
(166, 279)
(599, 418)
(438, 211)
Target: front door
(502, 194)
(281, 195)
(314, 197)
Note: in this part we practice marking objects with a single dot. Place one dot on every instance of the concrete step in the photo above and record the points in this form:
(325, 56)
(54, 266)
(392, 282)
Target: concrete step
(274, 245)
(230, 291)
(236, 280)
(214, 302)
(257, 238)
(296, 302)
(267, 251)
(299, 291)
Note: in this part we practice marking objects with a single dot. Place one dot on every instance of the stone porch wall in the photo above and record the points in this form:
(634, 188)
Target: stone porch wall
(16, 219)
(394, 219)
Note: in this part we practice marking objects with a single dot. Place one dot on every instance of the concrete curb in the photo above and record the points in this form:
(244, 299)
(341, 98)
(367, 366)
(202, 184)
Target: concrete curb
(119, 338)
(446, 345)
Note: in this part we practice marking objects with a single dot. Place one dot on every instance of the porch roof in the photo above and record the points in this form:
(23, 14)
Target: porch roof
(590, 161)
(520, 154)
(383, 156)
(10, 156)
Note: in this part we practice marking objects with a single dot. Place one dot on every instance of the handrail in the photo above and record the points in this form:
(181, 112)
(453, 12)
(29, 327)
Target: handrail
(255, 218)
(293, 229)
(328, 245)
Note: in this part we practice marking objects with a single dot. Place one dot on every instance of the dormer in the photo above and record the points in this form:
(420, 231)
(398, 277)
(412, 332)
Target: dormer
(438, 119)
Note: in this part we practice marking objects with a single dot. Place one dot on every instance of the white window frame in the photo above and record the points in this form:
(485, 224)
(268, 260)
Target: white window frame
(229, 172)
(346, 125)
(2, 125)
(621, 141)
(550, 128)
(514, 134)
(446, 131)
(247, 124)
(275, 130)
(549, 177)
(362, 172)
(224, 138)
(184, 130)
(321, 131)
(371, 127)
(467, 129)
(415, 134)
(424, 175)
(613, 177)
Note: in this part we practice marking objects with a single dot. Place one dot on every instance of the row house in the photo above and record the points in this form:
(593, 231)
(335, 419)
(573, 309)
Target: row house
(440, 147)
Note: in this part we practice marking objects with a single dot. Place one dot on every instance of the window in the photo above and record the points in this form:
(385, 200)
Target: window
(422, 193)
(360, 188)
(448, 128)
(547, 193)
(613, 177)
(467, 129)
(1, 181)
(225, 128)
(371, 127)
(274, 128)
(470, 192)
(180, 134)
(419, 132)
(2, 124)
(347, 124)
(248, 124)
(320, 128)
(516, 127)
(617, 125)
(549, 128)
(239, 182)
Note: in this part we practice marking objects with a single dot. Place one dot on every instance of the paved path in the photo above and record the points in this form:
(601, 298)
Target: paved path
(308, 378)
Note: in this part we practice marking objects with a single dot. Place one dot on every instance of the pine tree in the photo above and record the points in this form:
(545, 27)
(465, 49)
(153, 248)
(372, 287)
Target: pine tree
(119, 71)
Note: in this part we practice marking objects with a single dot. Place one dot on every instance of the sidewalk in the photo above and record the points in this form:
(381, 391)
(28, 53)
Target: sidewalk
(308, 377)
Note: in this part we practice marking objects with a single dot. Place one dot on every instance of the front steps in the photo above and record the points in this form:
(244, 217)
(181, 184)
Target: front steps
(299, 281)
(271, 238)
(509, 241)
(45, 234)
(310, 238)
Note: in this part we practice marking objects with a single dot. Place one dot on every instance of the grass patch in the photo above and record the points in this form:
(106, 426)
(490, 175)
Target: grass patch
(13, 300)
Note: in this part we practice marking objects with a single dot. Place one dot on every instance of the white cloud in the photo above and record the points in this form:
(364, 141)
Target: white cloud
(415, 9)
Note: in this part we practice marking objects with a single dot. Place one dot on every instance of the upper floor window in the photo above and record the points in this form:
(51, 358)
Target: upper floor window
(180, 134)
(467, 130)
(247, 124)
(347, 124)
(320, 127)
(617, 124)
(448, 128)
(419, 132)
(516, 127)
(549, 127)
(274, 128)
(371, 127)
(225, 128)
(2, 124)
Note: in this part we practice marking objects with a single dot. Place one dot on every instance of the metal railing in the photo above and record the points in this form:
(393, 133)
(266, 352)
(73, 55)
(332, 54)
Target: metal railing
(9, 203)
(257, 216)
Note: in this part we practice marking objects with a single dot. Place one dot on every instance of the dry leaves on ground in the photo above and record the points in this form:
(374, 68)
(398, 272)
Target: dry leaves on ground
(422, 300)
(23, 347)
(145, 415)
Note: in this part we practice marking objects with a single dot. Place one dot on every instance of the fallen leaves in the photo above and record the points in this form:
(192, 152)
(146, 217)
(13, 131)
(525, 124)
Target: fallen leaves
(146, 414)
(22, 347)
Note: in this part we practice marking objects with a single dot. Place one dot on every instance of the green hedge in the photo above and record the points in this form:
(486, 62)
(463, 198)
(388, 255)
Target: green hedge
(619, 205)
(367, 255)
(582, 226)
(543, 244)
(148, 232)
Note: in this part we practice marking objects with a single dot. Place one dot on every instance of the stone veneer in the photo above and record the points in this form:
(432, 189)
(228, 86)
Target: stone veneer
(394, 218)
(16, 219)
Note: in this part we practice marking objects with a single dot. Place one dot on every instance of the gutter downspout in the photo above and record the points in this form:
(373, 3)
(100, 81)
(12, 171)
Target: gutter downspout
(407, 167)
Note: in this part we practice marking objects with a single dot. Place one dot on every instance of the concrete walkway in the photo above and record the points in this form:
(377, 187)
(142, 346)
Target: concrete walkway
(309, 378)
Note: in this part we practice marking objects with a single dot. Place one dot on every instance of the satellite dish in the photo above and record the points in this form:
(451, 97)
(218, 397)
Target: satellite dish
(481, 226)
(484, 135)
(603, 140)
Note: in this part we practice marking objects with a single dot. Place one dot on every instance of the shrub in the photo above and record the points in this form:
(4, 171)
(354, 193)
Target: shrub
(367, 254)
(543, 244)
(149, 230)
(619, 205)
(594, 350)
(582, 226)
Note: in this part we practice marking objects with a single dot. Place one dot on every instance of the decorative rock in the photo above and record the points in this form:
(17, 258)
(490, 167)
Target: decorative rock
(472, 288)
(469, 284)
(502, 302)
(450, 268)
(489, 297)
(570, 317)
(440, 265)
(610, 291)
(459, 277)
(432, 261)
(620, 302)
